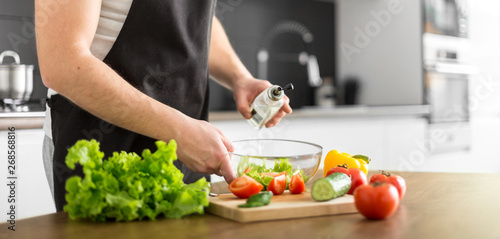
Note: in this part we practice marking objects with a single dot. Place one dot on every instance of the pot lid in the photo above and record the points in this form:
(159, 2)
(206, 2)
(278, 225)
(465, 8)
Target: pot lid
(15, 64)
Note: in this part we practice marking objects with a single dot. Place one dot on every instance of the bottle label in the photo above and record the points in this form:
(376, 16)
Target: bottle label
(256, 117)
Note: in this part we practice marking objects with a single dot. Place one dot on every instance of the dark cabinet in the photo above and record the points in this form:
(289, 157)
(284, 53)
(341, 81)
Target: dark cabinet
(17, 33)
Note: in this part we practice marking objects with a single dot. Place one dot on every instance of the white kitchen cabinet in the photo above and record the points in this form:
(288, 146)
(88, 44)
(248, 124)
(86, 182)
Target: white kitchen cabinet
(483, 156)
(405, 140)
(33, 193)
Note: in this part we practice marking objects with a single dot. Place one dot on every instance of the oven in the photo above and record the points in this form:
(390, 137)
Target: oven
(446, 17)
(447, 91)
(447, 75)
(448, 98)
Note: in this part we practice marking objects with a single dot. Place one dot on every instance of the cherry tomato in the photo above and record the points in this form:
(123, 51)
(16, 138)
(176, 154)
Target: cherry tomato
(358, 177)
(395, 180)
(277, 185)
(377, 200)
(245, 186)
(297, 184)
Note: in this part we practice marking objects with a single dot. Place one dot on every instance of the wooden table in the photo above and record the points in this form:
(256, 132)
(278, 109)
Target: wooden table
(437, 205)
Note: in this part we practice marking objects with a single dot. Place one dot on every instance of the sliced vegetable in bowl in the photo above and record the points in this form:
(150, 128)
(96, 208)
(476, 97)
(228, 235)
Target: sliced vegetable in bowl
(276, 179)
(263, 174)
(245, 186)
(256, 156)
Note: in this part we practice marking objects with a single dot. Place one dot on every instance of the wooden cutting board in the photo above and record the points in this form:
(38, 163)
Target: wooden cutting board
(283, 206)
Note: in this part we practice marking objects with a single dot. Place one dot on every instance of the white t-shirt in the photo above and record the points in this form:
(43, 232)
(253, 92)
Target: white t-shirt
(111, 19)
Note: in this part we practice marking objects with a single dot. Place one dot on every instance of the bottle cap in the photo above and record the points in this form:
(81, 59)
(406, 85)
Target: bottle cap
(276, 92)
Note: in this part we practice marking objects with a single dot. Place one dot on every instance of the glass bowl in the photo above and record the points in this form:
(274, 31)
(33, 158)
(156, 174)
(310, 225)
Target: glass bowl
(266, 152)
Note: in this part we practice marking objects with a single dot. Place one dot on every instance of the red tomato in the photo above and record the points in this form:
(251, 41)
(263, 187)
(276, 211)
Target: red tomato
(277, 185)
(245, 186)
(395, 180)
(339, 169)
(376, 201)
(358, 177)
(297, 184)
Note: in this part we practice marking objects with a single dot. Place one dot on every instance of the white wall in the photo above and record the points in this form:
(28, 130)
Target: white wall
(485, 53)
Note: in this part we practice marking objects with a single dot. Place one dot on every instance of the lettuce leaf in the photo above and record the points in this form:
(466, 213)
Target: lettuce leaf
(127, 187)
(282, 166)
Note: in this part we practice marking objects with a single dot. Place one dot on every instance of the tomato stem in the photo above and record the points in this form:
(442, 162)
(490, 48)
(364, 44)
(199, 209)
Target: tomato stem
(343, 166)
(385, 173)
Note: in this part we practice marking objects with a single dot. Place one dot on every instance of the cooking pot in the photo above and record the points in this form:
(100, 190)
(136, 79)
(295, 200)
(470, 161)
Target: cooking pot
(16, 79)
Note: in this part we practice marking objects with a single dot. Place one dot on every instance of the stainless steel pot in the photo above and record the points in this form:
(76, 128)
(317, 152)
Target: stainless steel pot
(16, 79)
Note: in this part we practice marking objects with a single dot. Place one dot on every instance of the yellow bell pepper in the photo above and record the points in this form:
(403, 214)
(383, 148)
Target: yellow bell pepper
(335, 158)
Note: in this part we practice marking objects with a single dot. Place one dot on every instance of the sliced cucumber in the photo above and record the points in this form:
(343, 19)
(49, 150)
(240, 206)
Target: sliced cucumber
(333, 186)
(258, 200)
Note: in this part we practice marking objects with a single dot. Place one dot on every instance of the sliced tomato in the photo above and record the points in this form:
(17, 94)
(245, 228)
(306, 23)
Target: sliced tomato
(245, 186)
(278, 184)
(297, 184)
(248, 169)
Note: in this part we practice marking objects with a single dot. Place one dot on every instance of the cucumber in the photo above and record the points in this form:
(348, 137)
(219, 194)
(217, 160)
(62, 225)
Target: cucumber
(258, 200)
(333, 186)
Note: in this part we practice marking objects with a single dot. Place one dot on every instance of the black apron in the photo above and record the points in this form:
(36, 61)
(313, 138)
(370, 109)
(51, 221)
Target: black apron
(162, 50)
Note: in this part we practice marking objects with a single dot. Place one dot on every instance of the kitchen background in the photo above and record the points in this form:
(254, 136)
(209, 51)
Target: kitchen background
(413, 84)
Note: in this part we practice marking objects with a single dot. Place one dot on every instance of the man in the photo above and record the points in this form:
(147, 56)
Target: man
(128, 73)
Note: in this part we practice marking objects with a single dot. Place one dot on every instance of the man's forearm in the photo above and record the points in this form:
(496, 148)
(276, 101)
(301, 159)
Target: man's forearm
(224, 65)
(95, 87)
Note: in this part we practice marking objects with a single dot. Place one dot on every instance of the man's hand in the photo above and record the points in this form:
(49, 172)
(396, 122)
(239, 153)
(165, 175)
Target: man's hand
(205, 149)
(226, 68)
(245, 92)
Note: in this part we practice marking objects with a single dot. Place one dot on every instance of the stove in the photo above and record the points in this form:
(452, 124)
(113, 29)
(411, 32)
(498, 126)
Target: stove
(14, 106)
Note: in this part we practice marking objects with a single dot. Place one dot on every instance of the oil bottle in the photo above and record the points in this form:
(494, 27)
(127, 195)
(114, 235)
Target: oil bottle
(267, 104)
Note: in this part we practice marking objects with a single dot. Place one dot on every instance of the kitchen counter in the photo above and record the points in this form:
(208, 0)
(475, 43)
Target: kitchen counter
(437, 205)
(35, 119)
(339, 111)
(22, 120)
(28, 116)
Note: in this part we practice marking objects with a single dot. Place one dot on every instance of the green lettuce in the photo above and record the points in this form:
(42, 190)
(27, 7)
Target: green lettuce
(127, 187)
